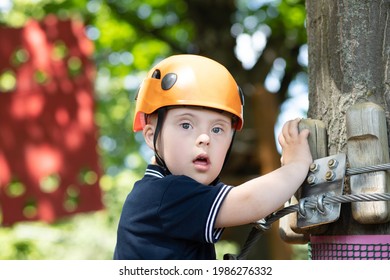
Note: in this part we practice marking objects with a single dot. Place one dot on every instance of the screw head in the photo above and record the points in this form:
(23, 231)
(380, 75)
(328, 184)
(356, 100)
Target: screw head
(313, 167)
(311, 179)
(330, 175)
(332, 163)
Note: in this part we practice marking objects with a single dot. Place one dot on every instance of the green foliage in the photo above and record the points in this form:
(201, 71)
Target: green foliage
(224, 247)
(84, 236)
(115, 34)
(300, 252)
(69, 239)
(282, 16)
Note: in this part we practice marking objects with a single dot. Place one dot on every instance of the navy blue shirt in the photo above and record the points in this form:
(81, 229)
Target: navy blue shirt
(169, 217)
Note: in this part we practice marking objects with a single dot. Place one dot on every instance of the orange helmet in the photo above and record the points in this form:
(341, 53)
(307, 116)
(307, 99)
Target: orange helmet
(188, 80)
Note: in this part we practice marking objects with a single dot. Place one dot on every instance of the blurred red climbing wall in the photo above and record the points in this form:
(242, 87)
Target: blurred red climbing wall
(49, 166)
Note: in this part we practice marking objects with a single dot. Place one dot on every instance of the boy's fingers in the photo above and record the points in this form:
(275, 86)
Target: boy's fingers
(305, 133)
(290, 129)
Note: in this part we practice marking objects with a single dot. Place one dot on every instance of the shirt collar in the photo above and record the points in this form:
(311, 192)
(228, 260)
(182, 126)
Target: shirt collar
(155, 171)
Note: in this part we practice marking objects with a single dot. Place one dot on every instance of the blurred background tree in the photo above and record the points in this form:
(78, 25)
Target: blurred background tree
(262, 43)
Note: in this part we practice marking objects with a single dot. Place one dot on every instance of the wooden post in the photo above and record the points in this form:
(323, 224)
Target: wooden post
(288, 229)
(367, 145)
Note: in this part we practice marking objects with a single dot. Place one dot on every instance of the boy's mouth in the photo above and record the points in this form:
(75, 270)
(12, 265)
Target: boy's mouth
(201, 160)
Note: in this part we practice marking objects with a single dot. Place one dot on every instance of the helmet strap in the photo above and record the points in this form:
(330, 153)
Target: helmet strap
(230, 149)
(160, 120)
(216, 180)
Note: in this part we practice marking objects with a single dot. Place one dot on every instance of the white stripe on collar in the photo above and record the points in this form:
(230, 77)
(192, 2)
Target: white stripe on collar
(154, 173)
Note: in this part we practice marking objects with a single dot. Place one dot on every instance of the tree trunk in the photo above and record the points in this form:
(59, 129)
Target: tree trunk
(349, 63)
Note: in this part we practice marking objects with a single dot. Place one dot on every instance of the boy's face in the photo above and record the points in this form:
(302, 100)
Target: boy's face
(194, 142)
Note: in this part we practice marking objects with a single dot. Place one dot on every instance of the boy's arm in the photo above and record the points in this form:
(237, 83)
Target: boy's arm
(259, 197)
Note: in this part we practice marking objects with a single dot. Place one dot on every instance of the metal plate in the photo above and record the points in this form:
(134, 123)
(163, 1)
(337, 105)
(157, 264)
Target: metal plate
(326, 177)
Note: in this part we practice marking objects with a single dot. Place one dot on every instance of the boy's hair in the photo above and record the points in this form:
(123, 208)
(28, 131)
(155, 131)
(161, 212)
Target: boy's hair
(188, 80)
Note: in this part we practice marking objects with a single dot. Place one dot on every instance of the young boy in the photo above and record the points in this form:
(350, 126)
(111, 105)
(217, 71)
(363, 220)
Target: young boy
(188, 109)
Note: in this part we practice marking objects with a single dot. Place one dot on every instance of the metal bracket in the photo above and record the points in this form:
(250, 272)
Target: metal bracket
(288, 225)
(326, 178)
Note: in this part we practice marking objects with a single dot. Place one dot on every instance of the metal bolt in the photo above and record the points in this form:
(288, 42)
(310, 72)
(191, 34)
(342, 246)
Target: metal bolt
(332, 163)
(313, 167)
(311, 179)
(330, 175)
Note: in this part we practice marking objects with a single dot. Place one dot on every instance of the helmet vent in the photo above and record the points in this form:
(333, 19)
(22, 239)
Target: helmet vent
(168, 81)
(156, 74)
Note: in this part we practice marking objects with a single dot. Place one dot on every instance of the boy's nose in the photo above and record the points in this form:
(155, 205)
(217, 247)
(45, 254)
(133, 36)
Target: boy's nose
(203, 139)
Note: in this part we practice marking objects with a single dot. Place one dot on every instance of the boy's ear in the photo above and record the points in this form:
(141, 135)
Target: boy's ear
(148, 133)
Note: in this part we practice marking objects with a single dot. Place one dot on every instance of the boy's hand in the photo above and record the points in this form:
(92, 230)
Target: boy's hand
(295, 147)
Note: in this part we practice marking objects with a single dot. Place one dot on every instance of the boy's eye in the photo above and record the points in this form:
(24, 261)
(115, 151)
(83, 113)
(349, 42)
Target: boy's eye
(185, 125)
(216, 130)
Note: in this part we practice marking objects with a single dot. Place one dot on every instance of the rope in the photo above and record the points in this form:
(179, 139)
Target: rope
(312, 203)
(309, 202)
(366, 169)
